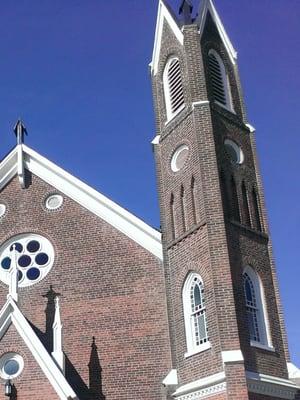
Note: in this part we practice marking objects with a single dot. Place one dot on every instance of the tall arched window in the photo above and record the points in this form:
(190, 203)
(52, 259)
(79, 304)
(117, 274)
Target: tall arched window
(219, 80)
(173, 87)
(255, 308)
(195, 315)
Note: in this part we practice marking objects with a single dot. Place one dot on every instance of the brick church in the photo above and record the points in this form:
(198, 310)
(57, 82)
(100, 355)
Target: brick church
(97, 305)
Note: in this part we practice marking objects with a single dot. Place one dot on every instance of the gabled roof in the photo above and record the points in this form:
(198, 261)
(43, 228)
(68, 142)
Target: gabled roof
(208, 6)
(83, 194)
(163, 14)
(10, 314)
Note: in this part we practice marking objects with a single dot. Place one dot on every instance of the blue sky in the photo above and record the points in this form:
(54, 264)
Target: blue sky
(76, 71)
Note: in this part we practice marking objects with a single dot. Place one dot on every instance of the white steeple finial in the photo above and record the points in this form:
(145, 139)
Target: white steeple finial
(13, 281)
(57, 352)
(20, 132)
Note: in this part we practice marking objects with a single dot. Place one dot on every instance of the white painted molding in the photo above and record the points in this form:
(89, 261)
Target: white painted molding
(10, 314)
(200, 388)
(8, 167)
(262, 346)
(13, 276)
(57, 352)
(118, 217)
(205, 6)
(232, 356)
(163, 14)
(271, 386)
(251, 128)
(156, 140)
(20, 167)
(294, 373)
(171, 379)
(199, 349)
(199, 103)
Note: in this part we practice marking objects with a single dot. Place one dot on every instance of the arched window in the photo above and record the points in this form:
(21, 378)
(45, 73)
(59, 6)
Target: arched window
(173, 87)
(195, 315)
(219, 80)
(255, 308)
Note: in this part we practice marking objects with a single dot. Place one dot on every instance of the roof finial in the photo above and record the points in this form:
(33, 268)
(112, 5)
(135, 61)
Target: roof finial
(186, 9)
(20, 130)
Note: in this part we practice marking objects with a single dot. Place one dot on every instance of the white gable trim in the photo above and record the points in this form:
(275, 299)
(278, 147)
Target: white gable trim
(10, 314)
(163, 14)
(118, 217)
(207, 5)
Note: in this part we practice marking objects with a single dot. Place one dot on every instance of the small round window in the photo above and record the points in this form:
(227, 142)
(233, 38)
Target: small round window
(34, 257)
(234, 152)
(179, 158)
(54, 201)
(11, 365)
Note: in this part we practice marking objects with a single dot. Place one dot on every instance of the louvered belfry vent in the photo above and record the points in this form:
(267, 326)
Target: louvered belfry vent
(217, 79)
(175, 86)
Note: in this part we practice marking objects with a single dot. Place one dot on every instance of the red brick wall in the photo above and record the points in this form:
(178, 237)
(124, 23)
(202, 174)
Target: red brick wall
(111, 289)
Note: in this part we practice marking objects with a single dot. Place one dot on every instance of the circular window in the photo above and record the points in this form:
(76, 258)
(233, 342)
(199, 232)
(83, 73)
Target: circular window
(11, 365)
(2, 209)
(234, 152)
(34, 258)
(179, 158)
(54, 201)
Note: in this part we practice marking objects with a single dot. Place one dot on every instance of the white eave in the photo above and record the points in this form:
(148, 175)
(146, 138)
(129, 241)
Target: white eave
(10, 314)
(205, 6)
(118, 217)
(163, 14)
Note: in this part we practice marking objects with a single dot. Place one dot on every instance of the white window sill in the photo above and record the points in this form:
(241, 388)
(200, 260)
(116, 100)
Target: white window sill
(262, 346)
(227, 108)
(171, 117)
(197, 350)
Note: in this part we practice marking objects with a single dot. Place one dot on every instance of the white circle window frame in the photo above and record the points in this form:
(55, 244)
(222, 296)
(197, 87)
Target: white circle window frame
(5, 358)
(54, 197)
(38, 262)
(237, 149)
(2, 209)
(179, 157)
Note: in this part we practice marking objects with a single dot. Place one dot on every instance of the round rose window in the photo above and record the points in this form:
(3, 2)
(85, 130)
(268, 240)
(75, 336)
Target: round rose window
(34, 257)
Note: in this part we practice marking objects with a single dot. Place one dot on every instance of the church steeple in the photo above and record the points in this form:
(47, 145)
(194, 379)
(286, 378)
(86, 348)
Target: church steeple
(215, 234)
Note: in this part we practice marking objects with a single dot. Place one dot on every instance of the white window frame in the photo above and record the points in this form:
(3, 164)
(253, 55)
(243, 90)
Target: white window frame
(170, 113)
(226, 83)
(265, 341)
(192, 347)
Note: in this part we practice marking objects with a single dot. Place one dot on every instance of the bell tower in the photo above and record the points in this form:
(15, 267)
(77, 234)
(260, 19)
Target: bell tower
(227, 332)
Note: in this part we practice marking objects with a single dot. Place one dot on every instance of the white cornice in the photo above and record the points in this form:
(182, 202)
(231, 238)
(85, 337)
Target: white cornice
(118, 217)
(202, 387)
(205, 6)
(271, 386)
(10, 314)
(163, 14)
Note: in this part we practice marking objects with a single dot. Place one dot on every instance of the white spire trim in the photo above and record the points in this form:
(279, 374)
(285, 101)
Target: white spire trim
(163, 14)
(20, 167)
(57, 352)
(205, 6)
(13, 275)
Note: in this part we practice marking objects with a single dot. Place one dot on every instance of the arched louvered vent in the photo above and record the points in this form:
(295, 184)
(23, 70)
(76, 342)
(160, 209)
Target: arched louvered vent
(173, 88)
(219, 80)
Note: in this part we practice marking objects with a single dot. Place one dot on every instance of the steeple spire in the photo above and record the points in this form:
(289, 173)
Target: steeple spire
(20, 130)
(186, 9)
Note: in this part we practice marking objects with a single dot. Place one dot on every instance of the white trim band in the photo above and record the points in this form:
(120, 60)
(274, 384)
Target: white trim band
(202, 387)
(271, 386)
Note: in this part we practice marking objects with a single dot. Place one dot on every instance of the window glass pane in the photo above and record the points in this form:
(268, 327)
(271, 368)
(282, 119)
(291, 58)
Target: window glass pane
(197, 296)
(11, 367)
(248, 291)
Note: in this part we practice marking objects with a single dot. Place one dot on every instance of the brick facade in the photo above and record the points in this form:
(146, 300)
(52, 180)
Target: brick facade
(124, 321)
